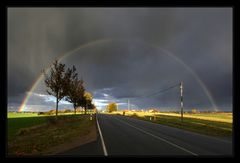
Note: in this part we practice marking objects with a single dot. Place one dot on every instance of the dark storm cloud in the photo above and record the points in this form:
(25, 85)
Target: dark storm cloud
(206, 46)
(127, 68)
(202, 38)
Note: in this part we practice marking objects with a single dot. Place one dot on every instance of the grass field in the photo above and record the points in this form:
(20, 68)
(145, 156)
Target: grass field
(218, 117)
(21, 115)
(32, 134)
(14, 124)
(214, 124)
(27, 114)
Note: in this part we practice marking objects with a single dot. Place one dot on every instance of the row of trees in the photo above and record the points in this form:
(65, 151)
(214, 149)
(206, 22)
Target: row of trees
(64, 84)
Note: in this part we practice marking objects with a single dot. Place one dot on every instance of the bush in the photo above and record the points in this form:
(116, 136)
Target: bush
(50, 112)
(67, 111)
(194, 111)
(41, 113)
(134, 115)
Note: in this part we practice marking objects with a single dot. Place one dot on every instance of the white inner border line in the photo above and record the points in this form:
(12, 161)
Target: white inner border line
(217, 139)
(158, 138)
(100, 133)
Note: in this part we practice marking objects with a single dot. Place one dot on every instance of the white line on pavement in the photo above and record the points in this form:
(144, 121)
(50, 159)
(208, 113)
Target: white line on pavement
(158, 137)
(103, 144)
(185, 131)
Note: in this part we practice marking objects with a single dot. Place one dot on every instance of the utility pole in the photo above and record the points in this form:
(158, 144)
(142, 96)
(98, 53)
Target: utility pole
(181, 100)
(128, 105)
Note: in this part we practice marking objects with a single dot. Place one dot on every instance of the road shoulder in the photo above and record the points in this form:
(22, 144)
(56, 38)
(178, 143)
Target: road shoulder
(76, 142)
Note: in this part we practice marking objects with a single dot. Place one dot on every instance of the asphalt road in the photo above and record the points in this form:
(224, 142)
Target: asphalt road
(124, 136)
(127, 136)
(91, 149)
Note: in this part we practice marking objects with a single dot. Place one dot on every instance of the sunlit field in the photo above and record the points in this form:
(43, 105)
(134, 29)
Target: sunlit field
(33, 114)
(214, 124)
(21, 114)
(215, 116)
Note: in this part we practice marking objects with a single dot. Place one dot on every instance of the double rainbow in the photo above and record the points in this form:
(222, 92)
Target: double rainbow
(107, 40)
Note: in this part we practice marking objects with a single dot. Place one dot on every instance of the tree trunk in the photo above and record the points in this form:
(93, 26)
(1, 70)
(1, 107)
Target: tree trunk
(85, 109)
(75, 110)
(56, 107)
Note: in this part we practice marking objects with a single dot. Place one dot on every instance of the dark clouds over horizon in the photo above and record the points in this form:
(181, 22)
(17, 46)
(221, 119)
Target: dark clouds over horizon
(200, 37)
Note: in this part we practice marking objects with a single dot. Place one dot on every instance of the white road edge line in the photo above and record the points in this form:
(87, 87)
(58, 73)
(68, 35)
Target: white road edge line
(217, 139)
(159, 138)
(103, 144)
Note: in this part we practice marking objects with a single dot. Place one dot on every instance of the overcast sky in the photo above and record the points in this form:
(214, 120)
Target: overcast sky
(130, 52)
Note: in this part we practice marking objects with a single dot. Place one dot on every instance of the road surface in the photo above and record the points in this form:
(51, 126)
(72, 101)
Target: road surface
(125, 136)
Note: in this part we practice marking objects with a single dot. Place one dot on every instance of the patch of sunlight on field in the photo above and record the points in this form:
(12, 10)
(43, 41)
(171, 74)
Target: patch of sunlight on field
(21, 114)
(26, 114)
(217, 124)
(219, 117)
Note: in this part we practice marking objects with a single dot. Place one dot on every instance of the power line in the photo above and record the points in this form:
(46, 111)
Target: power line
(154, 94)
(163, 90)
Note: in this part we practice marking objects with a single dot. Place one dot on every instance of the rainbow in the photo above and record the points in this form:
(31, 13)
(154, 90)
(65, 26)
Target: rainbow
(35, 83)
(108, 40)
(207, 92)
(41, 76)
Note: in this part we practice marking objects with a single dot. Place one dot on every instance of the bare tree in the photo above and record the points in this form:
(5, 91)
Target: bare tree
(56, 82)
(74, 88)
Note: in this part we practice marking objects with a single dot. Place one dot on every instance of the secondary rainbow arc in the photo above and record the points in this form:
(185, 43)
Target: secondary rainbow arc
(108, 40)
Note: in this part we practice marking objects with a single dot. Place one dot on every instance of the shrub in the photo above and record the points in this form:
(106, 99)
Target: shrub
(134, 115)
(67, 111)
(41, 113)
(194, 111)
(50, 112)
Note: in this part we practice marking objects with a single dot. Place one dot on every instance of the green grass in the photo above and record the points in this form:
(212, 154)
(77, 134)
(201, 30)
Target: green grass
(14, 124)
(20, 115)
(208, 127)
(18, 120)
(219, 117)
(35, 135)
(223, 117)
(214, 116)
(28, 114)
